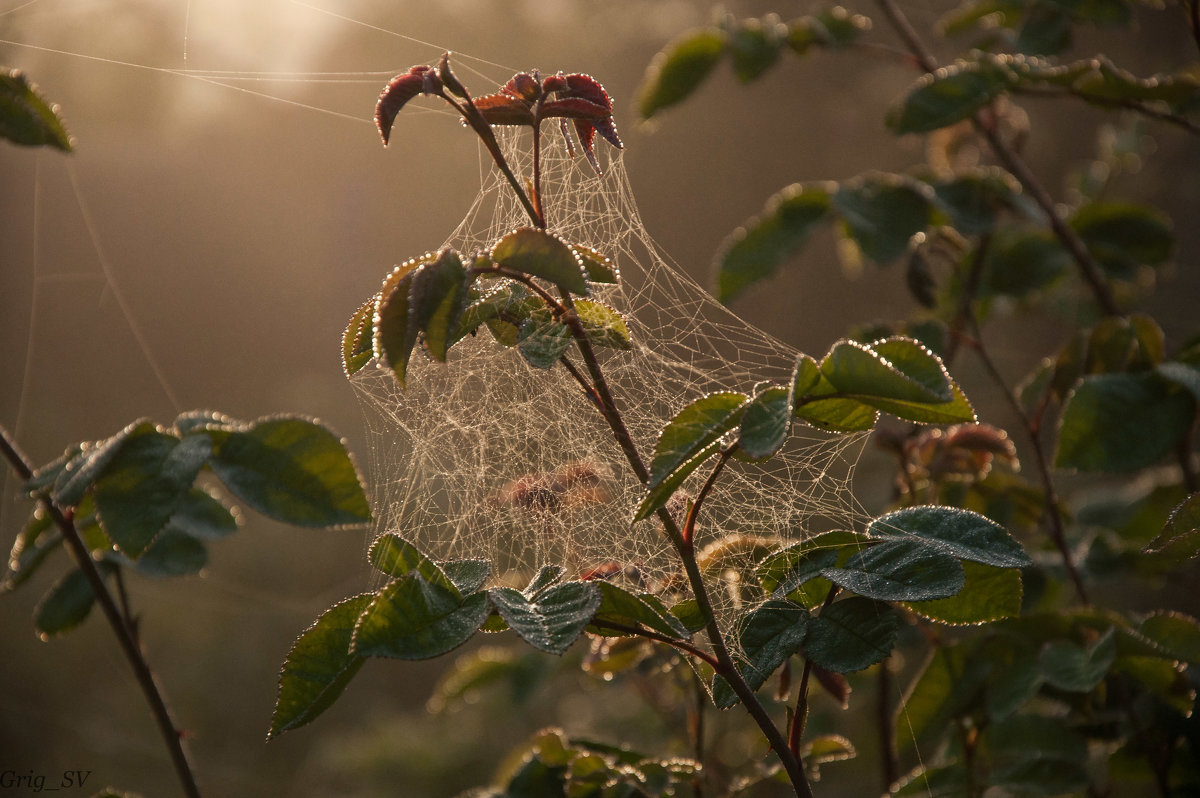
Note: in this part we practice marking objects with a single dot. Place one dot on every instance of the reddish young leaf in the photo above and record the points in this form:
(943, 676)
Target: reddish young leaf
(505, 109)
(401, 89)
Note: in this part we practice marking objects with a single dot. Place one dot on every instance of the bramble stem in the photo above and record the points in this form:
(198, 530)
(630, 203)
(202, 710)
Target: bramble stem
(608, 408)
(1089, 269)
(171, 734)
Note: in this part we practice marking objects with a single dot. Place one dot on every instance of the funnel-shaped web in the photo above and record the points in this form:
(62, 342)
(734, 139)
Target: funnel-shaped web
(488, 457)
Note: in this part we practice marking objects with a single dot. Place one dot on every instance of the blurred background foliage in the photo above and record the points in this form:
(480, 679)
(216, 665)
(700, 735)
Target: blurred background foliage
(206, 242)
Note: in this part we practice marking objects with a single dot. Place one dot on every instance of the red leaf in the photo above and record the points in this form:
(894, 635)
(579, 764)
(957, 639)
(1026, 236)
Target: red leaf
(504, 109)
(523, 85)
(575, 108)
(401, 89)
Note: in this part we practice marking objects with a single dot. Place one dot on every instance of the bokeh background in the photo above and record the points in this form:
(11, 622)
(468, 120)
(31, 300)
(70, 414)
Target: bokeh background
(229, 205)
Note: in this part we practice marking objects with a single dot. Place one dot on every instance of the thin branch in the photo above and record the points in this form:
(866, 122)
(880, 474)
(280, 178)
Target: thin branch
(640, 631)
(171, 734)
(689, 524)
(616, 422)
(1089, 269)
(1129, 105)
(800, 716)
(1054, 510)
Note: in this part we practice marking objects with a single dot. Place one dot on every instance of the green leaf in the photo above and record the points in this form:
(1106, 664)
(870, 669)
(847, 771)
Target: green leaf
(688, 439)
(467, 575)
(542, 339)
(1180, 536)
(960, 533)
(786, 572)
(949, 685)
(679, 69)
(318, 667)
(833, 27)
(1122, 422)
(896, 375)
(395, 556)
(989, 594)
(173, 553)
(620, 606)
(37, 540)
(27, 119)
(411, 618)
(947, 781)
(67, 603)
(599, 267)
(767, 421)
(689, 614)
(437, 297)
(1022, 261)
(755, 46)
(1123, 236)
(554, 619)
(975, 199)
(1037, 755)
(603, 325)
(883, 213)
(1175, 633)
(900, 570)
(396, 329)
(764, 638)
(1076, 669)
(949, 95)
(753, 252)
(692, 429)
(856, 369)
(851, 634)
(77, 470)
(203, 516)
(1046, 31)
(541, 254)
(358, 340)
(143, 485)
(293, 470)
(547, 576)
(836, 415)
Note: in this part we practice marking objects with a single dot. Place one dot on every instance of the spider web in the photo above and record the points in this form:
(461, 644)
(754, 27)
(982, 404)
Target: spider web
(488, 457)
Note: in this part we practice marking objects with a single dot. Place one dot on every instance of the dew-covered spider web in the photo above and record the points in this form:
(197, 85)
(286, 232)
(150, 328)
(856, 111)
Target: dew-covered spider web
(488, 457)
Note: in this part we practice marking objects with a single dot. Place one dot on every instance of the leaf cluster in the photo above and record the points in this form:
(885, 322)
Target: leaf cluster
(139, 501)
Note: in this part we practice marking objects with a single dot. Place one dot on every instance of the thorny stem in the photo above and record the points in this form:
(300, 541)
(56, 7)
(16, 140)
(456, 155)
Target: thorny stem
(171, 734)
(725, 665)
(1088, 268)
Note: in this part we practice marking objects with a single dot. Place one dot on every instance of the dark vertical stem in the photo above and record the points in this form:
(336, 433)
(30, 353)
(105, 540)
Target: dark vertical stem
(1089, 269)
(696, 728)
(538, 205)
(608, 408)
(1054, 511)
(171, 734)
